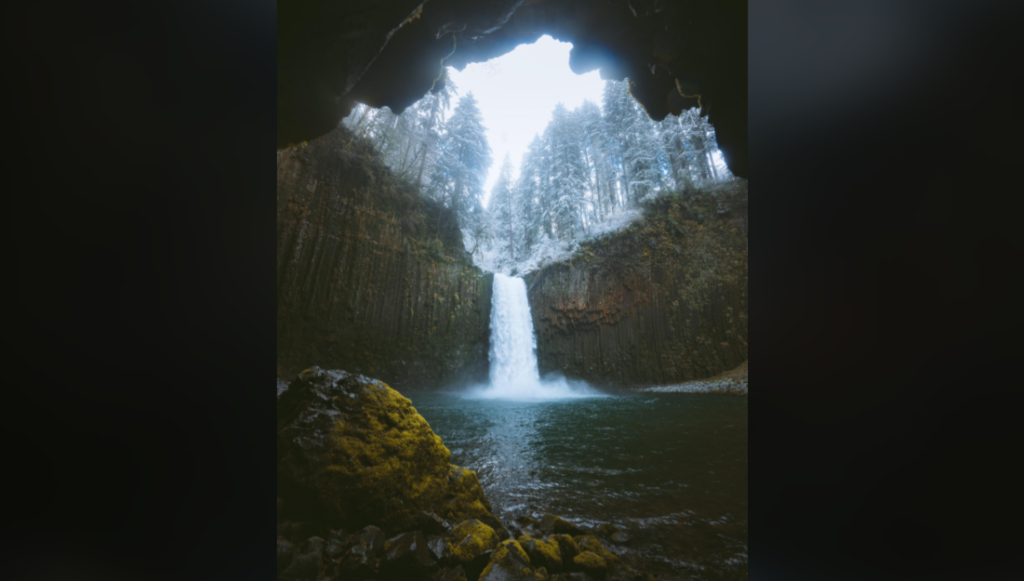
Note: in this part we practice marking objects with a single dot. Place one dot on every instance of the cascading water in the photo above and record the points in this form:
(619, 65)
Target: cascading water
(514, 372)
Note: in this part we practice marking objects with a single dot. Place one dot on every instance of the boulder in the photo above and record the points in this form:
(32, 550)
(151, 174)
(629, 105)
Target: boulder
(592, 564)
(542, 553)
(590, 543)
(567, 547)
(472, 538)
(305, 564)
(352, 451)
(510, 562)
(361, 559)
(407, 557)
(442, 550)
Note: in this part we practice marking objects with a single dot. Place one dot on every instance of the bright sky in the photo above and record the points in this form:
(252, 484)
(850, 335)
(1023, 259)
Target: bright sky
(517, 92)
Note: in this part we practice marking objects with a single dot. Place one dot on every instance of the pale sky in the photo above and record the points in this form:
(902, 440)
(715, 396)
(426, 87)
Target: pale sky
(517, 92)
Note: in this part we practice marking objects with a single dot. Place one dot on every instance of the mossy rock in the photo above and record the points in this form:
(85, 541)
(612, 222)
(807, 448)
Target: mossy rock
(567, 547)
(472, 538)
(592, 564)
(542, 553)
(510, 562)
(352, 451)
(591, 544)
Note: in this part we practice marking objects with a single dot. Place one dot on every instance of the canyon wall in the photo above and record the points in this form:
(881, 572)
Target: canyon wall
(663, 301)
(372, 277)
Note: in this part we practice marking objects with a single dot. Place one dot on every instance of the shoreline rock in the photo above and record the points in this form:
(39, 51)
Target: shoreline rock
(354, 455)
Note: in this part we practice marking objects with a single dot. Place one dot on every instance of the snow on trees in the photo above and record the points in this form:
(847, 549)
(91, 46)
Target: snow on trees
(587, 173)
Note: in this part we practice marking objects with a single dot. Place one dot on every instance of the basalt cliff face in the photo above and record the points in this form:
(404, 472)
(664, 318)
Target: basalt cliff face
(371, 276)
(663, 301)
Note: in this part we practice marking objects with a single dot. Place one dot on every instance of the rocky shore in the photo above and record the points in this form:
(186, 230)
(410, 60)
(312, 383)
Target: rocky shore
(366, 491)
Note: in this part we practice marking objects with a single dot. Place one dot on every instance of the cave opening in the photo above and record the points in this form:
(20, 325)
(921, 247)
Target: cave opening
(534, 158)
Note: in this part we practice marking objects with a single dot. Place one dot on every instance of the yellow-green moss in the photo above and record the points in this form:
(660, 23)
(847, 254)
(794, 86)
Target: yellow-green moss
(549, 552)
(590, 543)
(472, 538)
(465, 495)
(509, 546)
(567, 546)
(383, 464)
(590, 562)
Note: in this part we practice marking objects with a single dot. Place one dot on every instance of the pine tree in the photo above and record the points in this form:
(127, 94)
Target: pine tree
(568, 182)
(465, 157)
(503, 208)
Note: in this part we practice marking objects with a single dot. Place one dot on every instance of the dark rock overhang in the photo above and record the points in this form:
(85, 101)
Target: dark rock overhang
(676, 54)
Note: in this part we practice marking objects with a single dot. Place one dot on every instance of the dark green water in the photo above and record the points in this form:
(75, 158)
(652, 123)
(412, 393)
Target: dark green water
(670, 469)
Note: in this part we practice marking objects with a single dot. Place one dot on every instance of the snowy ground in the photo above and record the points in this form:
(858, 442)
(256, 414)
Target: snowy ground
(548, 251)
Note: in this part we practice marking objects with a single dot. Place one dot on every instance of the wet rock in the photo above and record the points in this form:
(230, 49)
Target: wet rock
(590, 543)
(542, 553)
(567, 546)
(285, 552)
(441, 549)
(361, 559)
(337, 544)
(592, 564)
(499, 528)
(607, 530)
(551, 524)
(407, 557)
(620, 538)
(472, 538)
(306, 564)
(510, 562)
(450, 574)
(357, 452)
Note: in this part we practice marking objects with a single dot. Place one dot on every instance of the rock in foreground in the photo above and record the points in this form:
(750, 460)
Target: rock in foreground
(353, 452)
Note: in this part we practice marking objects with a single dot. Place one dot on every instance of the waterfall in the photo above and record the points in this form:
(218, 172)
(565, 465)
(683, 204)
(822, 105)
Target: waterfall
(513, 355)
(513, 344)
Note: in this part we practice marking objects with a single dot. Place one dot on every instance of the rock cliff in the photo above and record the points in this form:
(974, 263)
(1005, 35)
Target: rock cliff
(663, 301)
(371, 276)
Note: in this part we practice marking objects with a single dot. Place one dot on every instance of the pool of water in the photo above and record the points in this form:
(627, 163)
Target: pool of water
(670, 469)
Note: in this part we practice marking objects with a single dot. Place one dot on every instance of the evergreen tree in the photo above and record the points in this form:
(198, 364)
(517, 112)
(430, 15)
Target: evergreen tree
(503, 208)
(465, 157)
(568, 184)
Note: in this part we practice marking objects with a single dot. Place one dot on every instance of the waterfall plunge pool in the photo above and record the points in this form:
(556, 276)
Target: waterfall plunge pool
(670, 469)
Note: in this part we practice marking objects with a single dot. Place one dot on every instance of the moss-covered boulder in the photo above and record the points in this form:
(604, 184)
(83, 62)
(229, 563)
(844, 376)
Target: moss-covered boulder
(590, 543)
(510, 562)
(567, 546)
(472, 538)
(353, 452)
(542, 553)
(550, 523)
(591, 564)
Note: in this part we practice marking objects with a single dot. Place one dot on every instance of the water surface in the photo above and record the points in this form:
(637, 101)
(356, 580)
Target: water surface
(670, 469)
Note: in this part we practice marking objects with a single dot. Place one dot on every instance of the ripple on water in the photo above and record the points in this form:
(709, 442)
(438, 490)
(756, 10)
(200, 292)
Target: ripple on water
(673, 474)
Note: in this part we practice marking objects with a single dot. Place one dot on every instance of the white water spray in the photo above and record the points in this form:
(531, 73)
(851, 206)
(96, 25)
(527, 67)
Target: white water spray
(514, 372)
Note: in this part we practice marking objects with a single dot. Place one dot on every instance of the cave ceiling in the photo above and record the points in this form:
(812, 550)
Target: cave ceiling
(676, 54)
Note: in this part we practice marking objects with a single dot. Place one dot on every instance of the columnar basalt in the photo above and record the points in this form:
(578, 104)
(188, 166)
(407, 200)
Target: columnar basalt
(372, 276)
(661, 302)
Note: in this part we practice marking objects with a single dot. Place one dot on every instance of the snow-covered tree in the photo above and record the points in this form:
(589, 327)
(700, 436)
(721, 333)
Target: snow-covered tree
(464, 160)
(504, 211)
